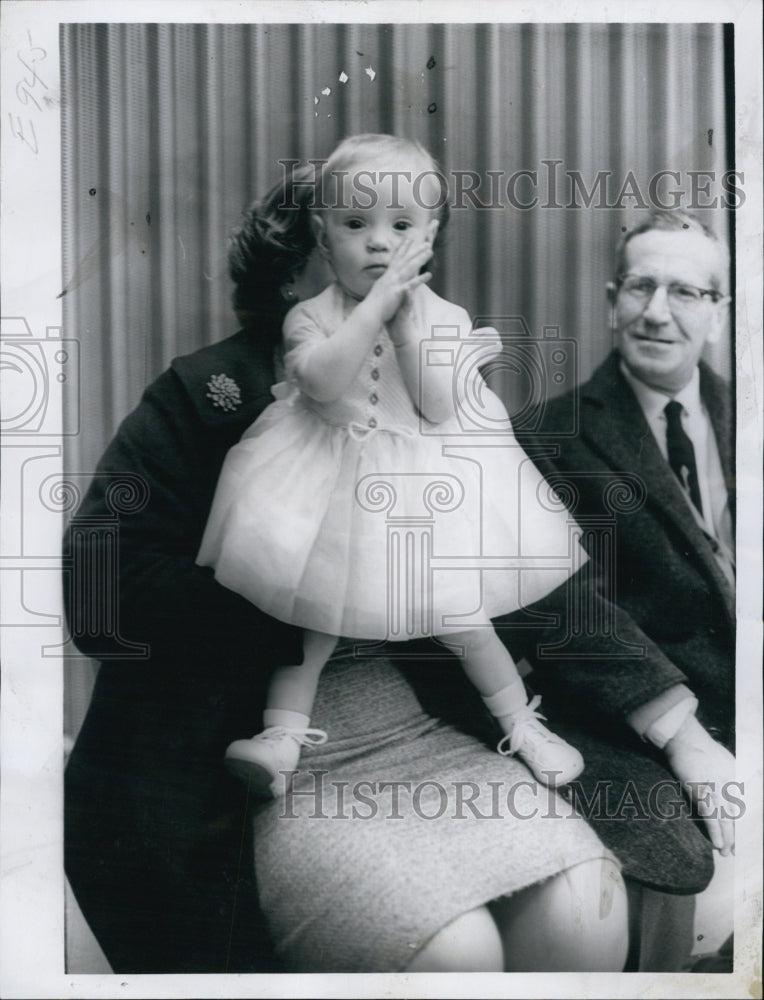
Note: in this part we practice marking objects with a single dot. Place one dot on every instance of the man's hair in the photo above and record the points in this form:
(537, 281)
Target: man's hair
(271, 245)
(673, 220)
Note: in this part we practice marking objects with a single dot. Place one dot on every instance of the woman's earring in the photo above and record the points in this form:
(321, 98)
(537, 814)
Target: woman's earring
(288, 293)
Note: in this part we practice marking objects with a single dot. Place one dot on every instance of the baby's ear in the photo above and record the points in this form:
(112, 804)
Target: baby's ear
(318, 226)
(432, 229)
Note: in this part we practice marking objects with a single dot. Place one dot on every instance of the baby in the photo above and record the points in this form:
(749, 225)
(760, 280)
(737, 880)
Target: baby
(290, 527)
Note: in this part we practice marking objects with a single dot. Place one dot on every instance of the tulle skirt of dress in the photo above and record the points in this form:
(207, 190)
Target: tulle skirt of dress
(384, 533)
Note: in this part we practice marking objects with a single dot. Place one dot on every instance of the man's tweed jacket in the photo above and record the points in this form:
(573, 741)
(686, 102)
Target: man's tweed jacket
(664, 592)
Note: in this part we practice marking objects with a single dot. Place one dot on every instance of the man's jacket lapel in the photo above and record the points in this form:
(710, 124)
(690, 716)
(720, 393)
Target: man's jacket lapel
(717, 399)
(613, 422)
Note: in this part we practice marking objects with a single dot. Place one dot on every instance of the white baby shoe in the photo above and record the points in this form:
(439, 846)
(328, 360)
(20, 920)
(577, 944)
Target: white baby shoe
(261, 760)
(552, 760)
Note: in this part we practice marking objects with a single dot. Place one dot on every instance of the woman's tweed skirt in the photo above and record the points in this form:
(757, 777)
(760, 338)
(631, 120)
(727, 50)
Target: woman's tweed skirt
(396, 826)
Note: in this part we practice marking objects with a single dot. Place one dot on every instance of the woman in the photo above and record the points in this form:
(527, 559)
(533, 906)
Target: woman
(158, 846)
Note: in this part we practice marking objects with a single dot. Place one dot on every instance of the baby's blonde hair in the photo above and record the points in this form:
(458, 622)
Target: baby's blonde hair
(384, 152)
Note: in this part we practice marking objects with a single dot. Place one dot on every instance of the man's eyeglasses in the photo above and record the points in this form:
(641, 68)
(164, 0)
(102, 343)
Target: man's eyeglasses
(680, 296)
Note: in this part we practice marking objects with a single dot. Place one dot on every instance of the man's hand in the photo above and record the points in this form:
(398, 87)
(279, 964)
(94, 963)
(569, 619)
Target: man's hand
(704, 767)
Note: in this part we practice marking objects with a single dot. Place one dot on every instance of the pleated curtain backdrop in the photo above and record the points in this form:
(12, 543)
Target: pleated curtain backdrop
(170, 130)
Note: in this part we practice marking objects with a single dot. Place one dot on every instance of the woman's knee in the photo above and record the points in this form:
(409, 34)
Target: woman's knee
(594, 895)
(576, 921)
(471, 943)
(598, 888)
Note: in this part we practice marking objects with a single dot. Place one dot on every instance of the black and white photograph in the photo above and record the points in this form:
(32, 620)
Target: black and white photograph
(382, 499)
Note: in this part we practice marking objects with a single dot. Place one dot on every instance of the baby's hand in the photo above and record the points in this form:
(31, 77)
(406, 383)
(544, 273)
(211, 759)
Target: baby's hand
(404, 327)
(401, 277)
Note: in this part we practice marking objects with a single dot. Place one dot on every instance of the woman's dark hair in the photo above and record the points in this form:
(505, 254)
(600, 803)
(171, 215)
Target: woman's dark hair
(271, 245)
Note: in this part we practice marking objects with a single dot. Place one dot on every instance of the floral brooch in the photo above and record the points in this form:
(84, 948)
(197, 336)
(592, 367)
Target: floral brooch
(224, 392)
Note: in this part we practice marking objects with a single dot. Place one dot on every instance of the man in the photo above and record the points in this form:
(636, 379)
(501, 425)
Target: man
(653, 691)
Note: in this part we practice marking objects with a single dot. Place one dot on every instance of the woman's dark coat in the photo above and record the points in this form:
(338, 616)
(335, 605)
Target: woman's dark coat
(158, 850)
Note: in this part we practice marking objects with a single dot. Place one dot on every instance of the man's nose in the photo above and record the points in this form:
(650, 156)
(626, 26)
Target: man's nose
(657, 309)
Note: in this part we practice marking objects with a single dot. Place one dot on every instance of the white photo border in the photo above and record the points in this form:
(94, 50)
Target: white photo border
(31, 705)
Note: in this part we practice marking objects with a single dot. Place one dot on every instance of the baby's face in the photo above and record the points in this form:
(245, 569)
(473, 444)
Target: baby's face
(375, 214)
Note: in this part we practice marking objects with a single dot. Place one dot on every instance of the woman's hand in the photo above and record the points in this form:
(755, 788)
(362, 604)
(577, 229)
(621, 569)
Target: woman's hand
(402, 276)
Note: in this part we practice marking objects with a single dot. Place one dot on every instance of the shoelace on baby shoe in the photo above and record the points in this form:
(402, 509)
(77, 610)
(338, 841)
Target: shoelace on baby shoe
(305, 737)
(526, 719)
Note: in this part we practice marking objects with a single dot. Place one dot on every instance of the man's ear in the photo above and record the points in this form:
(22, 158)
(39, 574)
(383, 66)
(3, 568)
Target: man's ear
(611, 291)
(718, 320)
(432, 230)
(318, 226)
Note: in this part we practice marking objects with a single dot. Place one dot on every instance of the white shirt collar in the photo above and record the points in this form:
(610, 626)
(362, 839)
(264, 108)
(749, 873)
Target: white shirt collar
(653, 401)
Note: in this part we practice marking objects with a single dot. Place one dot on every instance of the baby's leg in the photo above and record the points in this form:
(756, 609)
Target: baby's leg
(487, 662)
(492, 670)
(293, 688)
(263, 760)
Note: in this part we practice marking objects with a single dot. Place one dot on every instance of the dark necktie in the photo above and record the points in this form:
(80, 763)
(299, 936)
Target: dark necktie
(681, 454)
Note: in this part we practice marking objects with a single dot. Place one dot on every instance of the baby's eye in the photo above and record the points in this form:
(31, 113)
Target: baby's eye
(354, 224)
(402, 225)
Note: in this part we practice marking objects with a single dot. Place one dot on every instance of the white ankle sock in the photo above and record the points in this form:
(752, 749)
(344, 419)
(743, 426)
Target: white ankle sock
(504, 705)
(285, 717)
(510, 699)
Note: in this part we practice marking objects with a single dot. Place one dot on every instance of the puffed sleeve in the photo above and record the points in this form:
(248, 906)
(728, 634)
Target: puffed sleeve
(305, 327)
(454, 352)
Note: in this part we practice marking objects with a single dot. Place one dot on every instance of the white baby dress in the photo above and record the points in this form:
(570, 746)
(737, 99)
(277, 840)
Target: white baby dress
(359, 518)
